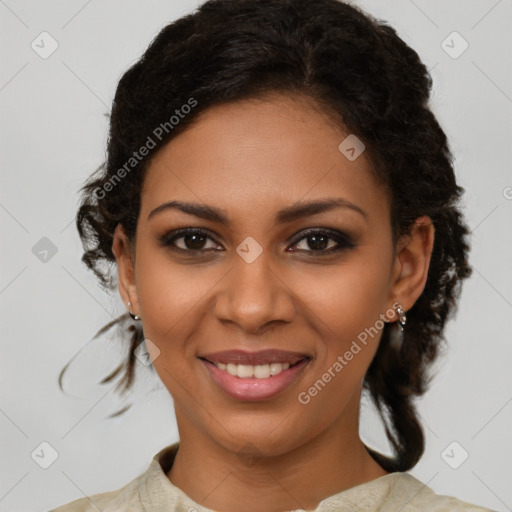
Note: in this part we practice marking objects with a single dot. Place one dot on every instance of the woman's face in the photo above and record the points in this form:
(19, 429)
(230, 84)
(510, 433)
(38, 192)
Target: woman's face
(256, 280)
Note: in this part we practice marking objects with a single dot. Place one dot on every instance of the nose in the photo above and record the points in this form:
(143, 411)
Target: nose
(254, 296)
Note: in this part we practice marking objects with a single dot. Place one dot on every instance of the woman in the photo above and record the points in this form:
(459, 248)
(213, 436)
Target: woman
(280, 204)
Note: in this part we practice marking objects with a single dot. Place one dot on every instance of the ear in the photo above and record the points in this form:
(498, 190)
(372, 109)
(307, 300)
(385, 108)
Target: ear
(412, 262)
(125, 269)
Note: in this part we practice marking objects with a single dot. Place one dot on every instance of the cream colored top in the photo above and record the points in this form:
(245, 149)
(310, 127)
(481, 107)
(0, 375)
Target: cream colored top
(154, 492)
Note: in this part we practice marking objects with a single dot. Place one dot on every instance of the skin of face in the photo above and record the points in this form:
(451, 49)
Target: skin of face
(250, 159)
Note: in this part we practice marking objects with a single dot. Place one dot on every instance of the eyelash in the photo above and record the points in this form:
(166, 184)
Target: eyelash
(344, 241)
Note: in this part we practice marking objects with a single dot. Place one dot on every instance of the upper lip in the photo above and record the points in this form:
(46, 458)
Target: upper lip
(255, 358)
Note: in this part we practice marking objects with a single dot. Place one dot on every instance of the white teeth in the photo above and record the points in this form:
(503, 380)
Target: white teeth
(276, 368)
(260, 371)
(232, 369)
(244, 371)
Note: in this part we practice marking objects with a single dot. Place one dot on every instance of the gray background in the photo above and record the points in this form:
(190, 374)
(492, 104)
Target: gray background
(53, 134)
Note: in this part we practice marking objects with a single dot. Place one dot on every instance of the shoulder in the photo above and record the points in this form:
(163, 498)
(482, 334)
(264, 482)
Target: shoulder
(107, 501)
(416, 496)
(149, 488)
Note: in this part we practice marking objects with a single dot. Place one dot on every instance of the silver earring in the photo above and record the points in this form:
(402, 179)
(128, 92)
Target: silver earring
(402, 318)
(134, 317)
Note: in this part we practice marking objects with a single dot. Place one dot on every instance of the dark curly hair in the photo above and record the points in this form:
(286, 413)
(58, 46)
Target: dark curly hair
(359, 71)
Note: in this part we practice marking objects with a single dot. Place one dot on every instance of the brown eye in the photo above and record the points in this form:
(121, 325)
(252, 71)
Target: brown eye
(318, 241)
(188, 240)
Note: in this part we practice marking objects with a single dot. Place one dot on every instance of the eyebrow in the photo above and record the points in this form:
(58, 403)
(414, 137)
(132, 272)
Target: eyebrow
(289, 214)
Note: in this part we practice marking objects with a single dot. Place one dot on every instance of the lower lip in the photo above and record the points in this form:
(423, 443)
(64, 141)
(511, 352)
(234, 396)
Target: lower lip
(251, 388)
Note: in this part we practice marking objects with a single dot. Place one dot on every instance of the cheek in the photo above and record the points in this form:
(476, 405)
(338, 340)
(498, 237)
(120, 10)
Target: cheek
(346, 309)
(169, 293)
(347, 298)
(169, 300)
(345, 303)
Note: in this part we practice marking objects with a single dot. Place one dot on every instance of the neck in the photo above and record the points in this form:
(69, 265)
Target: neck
(220, 479)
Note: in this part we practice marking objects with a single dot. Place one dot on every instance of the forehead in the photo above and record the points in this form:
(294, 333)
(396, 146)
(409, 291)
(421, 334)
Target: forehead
(256, 156)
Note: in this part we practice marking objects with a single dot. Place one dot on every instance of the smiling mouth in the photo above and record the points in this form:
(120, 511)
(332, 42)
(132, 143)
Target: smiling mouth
(260, 371)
